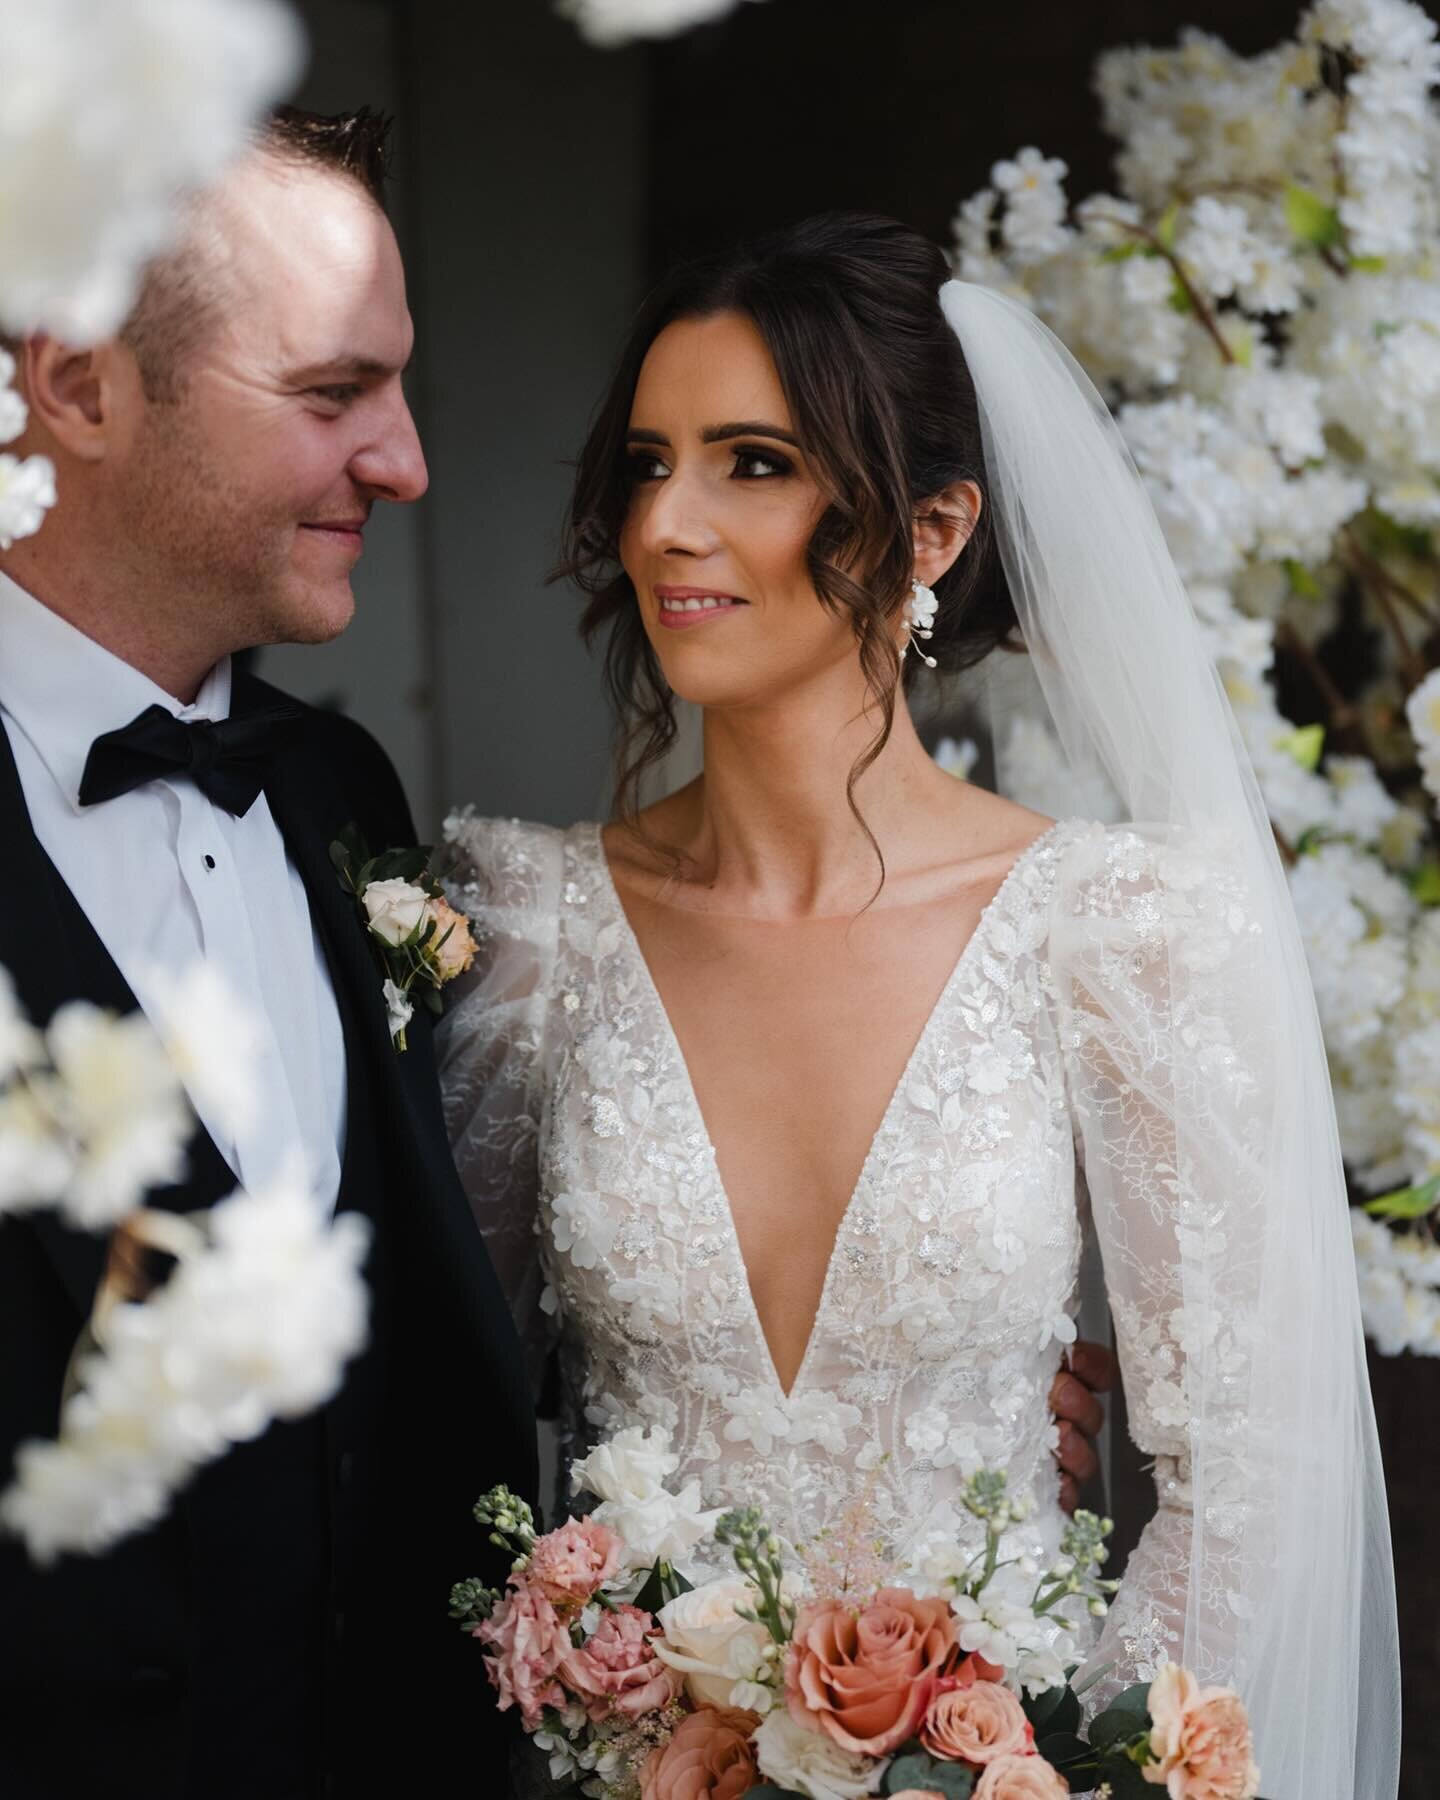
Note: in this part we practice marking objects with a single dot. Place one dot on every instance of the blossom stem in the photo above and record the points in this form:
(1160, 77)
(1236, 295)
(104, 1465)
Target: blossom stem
(1203, 311)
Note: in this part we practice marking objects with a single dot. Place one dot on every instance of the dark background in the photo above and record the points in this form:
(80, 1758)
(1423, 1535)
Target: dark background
(541, 185)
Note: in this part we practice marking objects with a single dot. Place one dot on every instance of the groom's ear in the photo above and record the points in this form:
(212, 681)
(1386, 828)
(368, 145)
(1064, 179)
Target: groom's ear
(80, 397)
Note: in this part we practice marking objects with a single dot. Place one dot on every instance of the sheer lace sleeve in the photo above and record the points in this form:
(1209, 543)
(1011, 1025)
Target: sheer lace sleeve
(505, 877)
(1167, 1064)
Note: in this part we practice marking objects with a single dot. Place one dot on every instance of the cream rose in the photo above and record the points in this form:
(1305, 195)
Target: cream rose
(394, 909)
(709, 1643)
(811, 1763)
(1021, 1778)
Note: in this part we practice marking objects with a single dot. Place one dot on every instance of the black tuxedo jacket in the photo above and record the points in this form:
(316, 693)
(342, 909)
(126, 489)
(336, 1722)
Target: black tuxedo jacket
(283, 1632)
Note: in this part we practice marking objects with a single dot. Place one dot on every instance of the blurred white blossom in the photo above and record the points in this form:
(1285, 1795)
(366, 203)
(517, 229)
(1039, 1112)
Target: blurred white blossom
(1259, 300)
(610, 23)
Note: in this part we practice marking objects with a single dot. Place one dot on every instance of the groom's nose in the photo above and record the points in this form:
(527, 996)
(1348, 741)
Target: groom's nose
(391, 464)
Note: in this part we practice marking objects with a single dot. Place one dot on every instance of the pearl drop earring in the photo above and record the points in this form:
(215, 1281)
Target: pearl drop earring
(919, 611)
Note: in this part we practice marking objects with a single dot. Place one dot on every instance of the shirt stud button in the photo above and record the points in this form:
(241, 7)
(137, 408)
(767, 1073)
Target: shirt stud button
(209, 862)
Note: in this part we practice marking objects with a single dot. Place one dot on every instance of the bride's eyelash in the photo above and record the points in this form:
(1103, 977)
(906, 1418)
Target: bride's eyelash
(753, 453)
(640, 465)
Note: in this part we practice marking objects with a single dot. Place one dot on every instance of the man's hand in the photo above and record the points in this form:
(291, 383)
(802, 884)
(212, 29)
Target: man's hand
(1092, 1369)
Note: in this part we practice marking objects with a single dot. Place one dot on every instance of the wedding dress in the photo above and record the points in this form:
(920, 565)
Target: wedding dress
(951, 1286)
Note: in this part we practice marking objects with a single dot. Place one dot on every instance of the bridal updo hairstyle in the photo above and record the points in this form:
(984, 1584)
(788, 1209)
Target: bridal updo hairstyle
(884, 408)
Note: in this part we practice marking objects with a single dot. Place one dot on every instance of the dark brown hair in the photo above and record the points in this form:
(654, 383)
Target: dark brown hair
(885, 410)
(183, 289)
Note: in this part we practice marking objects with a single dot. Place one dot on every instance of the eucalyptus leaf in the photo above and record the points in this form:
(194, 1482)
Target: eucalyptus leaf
(1301, 581)
(928, 1774)
(1062, 1748)
(1168, 226)
(767, 1792)
(1126, 1782)
(1407, 1202)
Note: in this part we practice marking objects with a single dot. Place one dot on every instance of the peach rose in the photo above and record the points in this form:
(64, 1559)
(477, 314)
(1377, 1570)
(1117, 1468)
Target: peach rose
(972, 1669)
(1201, 1738)
(617, 1671)
(710, 1757)
(1021, 1778)
(864, 1677)
(569, 1564)
(976, 1724)
(528, 1643)
(455, 954)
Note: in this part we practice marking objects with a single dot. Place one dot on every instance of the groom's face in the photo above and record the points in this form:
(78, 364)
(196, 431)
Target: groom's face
(254, 482)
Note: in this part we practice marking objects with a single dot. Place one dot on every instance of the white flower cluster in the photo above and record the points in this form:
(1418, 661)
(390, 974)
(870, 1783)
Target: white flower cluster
(627, 1474)
(110, 110)
(1260, 301)
(610, 23)
(266, 1303)
(257, 1322)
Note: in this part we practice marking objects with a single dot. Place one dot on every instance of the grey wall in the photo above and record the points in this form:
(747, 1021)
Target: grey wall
(518, 205)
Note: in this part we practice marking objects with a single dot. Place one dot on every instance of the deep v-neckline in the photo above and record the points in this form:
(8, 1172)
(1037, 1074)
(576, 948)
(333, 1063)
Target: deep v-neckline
(883, 1132)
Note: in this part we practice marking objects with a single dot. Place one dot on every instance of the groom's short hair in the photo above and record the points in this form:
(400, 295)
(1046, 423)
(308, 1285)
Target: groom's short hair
(183, 289)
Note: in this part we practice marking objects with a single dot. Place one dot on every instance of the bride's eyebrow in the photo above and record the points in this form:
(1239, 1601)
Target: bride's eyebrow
(719, 434)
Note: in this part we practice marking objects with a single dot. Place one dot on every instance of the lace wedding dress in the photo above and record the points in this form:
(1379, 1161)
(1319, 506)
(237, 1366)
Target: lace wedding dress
(1039, 1088)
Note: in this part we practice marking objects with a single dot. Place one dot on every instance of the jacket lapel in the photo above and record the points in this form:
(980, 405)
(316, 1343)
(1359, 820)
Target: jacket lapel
(54, 955)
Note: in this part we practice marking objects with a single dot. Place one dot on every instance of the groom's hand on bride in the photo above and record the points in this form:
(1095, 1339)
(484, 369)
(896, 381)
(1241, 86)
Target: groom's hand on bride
(1091, 1369)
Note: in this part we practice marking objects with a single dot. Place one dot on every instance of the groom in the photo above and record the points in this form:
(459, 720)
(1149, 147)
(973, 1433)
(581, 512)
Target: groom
(281, 1634)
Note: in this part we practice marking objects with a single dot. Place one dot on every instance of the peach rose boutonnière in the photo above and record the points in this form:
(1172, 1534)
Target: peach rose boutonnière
(421, 941)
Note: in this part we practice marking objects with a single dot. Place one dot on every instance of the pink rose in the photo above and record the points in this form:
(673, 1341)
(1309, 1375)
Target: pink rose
(569, 1564)
(976, 1724)
(528, 1643)
(710, 1757)
(617, 1671)
(455, 954)
(1201, 1738)
(1021, 1778)
(864, 1676)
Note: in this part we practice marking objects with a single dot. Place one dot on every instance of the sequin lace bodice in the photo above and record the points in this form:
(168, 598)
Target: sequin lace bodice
(951, 1289)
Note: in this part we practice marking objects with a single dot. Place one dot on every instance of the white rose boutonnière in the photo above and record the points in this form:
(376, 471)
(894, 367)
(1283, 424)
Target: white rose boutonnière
(421, 940)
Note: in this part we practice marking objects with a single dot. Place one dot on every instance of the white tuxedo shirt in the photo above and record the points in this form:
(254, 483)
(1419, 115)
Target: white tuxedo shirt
(166, 877)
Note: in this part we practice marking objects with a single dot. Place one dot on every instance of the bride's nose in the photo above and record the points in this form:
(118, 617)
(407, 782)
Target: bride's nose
(676, 522)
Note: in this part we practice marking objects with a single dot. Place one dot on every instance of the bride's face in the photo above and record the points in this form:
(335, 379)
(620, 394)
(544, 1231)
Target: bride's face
(722, 507)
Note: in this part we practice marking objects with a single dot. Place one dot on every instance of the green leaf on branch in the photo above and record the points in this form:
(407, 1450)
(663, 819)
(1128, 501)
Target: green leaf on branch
(1180, 300)
(1064, 1749)
(1310, 219)
(1302, 582)
(1306, 744)
(1168, 226)
(1056, 1709)
(1406, 1202)
(1123, 252)
(1368, 265)
(663, 1584)
(1425, 884)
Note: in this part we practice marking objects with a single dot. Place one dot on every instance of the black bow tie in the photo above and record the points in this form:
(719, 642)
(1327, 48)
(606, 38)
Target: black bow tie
(227, 761)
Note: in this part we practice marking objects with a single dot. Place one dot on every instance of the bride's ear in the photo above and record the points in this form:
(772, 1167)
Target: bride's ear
(943, 524)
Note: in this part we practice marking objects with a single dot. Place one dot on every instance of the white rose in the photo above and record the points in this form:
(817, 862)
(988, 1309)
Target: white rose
(707, 1640)
(394, 909)
(812, 1764)
(663, 1528)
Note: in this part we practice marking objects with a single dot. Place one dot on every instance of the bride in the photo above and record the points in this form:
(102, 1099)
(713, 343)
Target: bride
(783, 1101)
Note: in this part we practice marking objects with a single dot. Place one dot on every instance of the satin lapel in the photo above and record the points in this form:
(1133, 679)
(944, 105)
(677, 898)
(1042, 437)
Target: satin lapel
(54, 954)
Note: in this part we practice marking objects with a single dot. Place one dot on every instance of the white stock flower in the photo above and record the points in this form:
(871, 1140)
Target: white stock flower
(1422, 710)
(395, 909)
(108, 112)
(810, 1763)
(1033, 225)
(27, 492)
(398, 1007)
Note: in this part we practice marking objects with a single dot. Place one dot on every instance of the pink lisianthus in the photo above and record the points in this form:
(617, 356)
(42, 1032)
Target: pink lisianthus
(977, 1725)
(527, 1642)
(617, 1670)
(1201, 1740)
(864, 1675)
(569, 1564)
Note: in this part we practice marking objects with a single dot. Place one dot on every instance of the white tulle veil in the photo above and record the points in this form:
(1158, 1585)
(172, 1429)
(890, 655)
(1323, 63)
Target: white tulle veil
(1285, 1479)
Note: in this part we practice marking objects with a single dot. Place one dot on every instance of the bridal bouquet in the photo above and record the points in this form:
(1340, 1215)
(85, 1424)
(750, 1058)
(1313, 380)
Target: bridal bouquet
(845, 1678)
